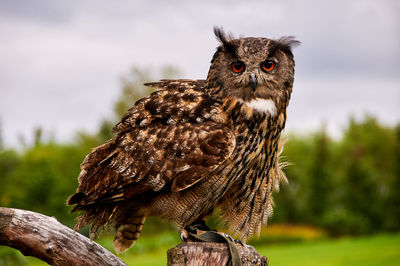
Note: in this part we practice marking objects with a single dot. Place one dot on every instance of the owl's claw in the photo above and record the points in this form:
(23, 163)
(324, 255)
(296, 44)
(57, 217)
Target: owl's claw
(201, 233)
(234, 240)
(227, 236)
(184, 235)
(240, 242)
(189, 233)
(193, 232)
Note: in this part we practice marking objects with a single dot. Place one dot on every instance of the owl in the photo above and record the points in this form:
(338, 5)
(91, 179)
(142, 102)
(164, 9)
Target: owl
(194, 146)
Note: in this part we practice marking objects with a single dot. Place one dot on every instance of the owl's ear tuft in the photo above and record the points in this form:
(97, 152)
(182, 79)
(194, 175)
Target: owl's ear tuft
(286, 43)
(225, 39)
(289, 41)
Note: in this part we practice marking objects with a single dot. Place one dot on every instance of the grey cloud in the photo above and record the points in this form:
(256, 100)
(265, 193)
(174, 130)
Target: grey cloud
(39, 10)
(67, 55)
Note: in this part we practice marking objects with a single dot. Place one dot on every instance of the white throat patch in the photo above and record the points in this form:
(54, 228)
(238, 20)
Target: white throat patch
(263, 105)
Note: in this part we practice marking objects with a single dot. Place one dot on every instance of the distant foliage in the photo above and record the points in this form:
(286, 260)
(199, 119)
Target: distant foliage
(348, 186)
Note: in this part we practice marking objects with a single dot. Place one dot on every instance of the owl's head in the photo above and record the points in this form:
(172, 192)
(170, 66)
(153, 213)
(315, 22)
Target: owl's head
(256, 71)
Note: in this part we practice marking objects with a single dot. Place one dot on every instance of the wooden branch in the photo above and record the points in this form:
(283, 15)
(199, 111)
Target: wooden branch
(206, 253)
(44, 237)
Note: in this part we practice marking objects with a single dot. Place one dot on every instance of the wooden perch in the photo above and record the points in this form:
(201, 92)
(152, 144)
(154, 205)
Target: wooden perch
(206, 253)
(44, 237)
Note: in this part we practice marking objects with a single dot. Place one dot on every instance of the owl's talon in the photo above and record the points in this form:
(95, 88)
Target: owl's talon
(228, 236)
(184, 235)
(240, 242)
(234, 240)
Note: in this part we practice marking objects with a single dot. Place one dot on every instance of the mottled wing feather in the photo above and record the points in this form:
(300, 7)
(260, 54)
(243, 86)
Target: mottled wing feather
(171, 139)
(174, 100)
(214, 149)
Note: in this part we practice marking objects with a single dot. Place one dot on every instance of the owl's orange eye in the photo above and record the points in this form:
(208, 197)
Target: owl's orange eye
(268, 65)
(237, 66)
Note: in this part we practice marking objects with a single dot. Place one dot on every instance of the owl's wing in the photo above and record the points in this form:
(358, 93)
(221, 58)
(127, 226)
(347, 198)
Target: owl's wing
(169, 140)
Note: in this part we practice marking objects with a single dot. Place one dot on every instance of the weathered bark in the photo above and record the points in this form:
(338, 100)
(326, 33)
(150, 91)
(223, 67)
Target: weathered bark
(44, 237)
(205, 253)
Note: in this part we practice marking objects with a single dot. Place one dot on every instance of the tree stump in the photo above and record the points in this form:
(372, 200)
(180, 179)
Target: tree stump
(206, 253)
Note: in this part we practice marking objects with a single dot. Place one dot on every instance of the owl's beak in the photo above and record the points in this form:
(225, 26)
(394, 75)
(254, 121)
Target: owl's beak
(253, 82)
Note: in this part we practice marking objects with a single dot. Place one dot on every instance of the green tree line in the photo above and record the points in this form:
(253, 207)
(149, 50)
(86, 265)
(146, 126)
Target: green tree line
(346, 185)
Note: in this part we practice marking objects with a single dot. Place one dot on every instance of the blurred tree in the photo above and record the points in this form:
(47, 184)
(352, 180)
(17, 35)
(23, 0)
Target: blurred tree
(367, 162)
(320, 179)
(37, 136)
(9, 162)
(393, 201)
(292, 200)
(1, 137)
(105, 130)
(45, 176)
(349, 185)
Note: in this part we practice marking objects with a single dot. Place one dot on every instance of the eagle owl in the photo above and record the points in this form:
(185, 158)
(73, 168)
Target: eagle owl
(195, 145)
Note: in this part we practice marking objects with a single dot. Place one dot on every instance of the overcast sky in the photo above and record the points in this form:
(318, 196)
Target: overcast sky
(61, 61)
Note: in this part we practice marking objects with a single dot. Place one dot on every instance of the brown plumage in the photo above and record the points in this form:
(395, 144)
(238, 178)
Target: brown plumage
(194, 145)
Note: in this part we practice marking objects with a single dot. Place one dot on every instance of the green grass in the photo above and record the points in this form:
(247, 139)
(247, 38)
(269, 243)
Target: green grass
(371, 250)
(375, 250)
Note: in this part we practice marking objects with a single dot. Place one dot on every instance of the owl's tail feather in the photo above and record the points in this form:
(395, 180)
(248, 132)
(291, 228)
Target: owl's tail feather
(128, 233)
